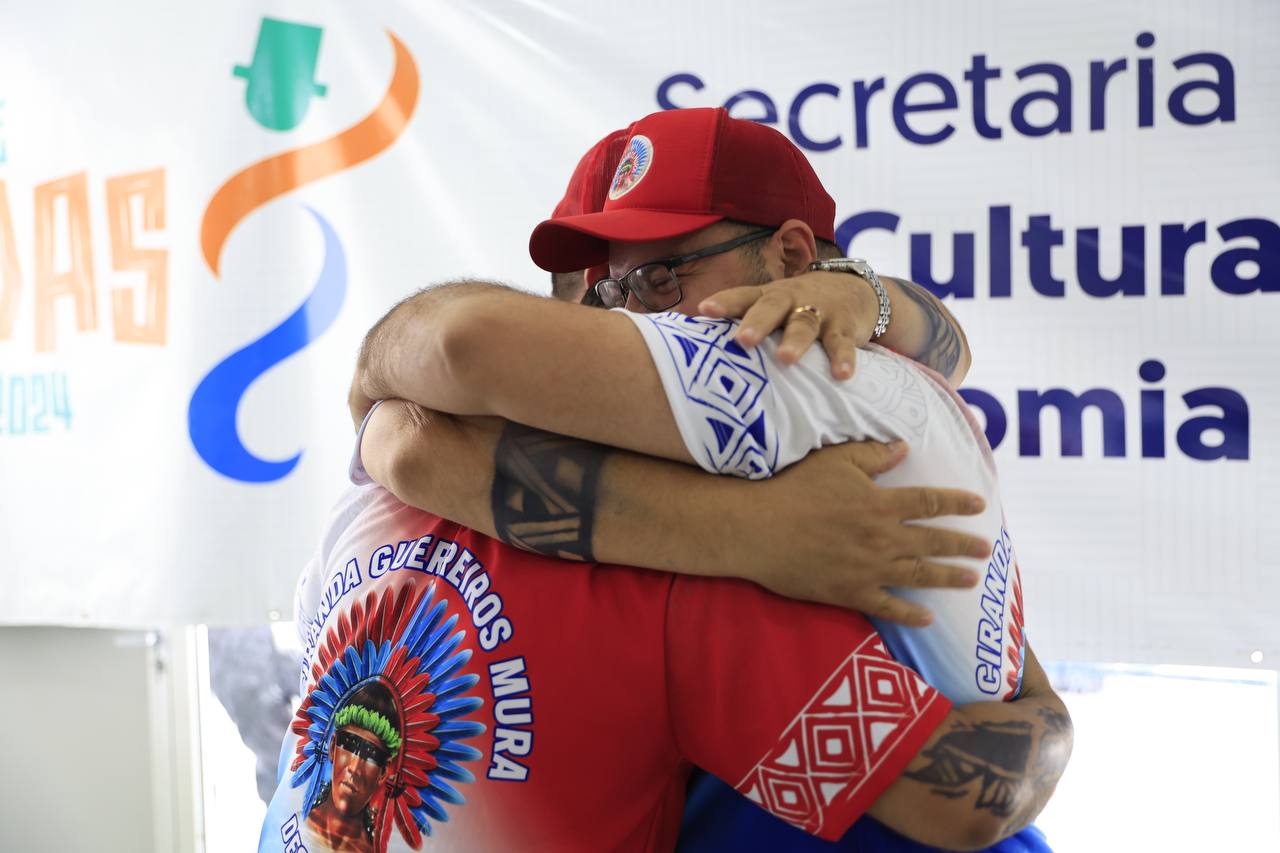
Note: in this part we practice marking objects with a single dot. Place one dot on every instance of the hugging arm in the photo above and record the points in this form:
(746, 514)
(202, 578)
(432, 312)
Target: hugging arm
(779, 698)
(573, 499)
(986, 772)
(479, 349)
(476, 348)
(921, 328)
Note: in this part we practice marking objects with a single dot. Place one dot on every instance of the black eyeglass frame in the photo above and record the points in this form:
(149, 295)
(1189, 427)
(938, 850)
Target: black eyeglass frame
(671, 263)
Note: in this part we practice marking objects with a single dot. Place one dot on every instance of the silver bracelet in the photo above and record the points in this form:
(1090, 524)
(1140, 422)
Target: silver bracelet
(859, 267)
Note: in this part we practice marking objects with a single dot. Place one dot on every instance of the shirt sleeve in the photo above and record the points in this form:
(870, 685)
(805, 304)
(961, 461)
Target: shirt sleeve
(355, 469)
(742, 412)
(797, 706)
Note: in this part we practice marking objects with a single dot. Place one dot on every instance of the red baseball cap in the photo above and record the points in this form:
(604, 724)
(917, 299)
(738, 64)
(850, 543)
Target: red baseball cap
(590, 181)
(680, 171)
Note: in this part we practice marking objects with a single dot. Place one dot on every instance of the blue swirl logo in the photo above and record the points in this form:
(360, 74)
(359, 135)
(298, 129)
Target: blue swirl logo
(283, 66)
(211, 417)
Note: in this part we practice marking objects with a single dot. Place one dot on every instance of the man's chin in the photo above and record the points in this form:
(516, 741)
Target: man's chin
(345, 806)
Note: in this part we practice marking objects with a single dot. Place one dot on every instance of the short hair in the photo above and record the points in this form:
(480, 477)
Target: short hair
(828, 250)
(566, 285)
(753, 252)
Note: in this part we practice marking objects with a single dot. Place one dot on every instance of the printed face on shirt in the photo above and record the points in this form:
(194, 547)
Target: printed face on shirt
(356, 769)
(700, 278)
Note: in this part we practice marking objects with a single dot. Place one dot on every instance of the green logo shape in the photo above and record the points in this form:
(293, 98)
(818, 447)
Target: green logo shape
(281, 78)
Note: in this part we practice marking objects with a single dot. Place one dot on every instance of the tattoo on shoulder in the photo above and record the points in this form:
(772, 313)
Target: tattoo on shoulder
(544, 491)
(942, 347)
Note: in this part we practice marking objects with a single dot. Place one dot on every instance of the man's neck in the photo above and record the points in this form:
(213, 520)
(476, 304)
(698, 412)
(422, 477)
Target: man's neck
(339, 833)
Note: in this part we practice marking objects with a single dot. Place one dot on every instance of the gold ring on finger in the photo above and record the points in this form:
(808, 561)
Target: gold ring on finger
(810, 310)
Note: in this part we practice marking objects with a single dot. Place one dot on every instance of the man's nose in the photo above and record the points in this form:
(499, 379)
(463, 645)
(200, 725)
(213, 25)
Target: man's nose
(634, 304)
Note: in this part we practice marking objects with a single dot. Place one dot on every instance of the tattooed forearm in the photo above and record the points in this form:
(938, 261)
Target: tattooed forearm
(994, 755)
(943, 346)
(1009, 767)
(544, 491)
(1055, 749)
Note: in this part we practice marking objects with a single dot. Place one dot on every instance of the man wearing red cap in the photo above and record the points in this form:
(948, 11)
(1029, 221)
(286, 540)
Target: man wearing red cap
(855, 576)
(925, 331)
(715, 816)
(680, 214)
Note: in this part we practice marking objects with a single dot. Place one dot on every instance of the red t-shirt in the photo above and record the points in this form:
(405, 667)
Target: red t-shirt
(598, 688)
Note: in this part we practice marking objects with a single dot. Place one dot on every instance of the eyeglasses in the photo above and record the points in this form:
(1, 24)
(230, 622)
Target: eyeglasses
(655, 283)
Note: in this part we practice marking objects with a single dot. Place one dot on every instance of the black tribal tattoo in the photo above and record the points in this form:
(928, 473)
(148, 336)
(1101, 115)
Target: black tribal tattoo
(1000, 757)
(1055, 748)
(544, 491)
(994, 753)
(942, 344)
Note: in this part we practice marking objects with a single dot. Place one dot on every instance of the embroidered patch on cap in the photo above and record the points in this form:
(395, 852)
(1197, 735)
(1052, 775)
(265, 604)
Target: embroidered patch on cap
(633, 166)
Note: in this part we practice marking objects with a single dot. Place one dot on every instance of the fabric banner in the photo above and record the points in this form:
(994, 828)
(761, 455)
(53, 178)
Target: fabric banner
(203, 208)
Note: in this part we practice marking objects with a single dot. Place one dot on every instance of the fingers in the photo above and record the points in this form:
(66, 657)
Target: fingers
(873, 457)
(800, 334)
(913, 573)
(768, 313)
(920, 541)
(842, 351)
(732, 302)
(918, 573)
(881, 604)
(921, 502)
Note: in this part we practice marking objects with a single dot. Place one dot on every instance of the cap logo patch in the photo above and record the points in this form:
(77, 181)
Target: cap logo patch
(633, 166)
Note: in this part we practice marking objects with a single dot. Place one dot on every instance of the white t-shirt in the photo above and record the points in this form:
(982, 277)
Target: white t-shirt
(743, 412)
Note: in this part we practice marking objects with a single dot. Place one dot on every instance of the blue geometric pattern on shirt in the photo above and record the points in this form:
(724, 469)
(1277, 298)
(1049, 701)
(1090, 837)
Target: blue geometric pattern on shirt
(727, 383)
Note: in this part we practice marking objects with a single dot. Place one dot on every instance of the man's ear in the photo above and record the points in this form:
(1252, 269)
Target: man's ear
(798, 246)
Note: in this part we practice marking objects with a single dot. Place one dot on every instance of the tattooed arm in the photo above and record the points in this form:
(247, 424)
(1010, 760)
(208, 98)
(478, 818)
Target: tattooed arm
(477, 348)
(931, 335)
(986, 772)
(568, 498)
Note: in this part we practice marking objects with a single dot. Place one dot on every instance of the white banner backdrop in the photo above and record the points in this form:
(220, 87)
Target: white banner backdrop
(202, 210)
